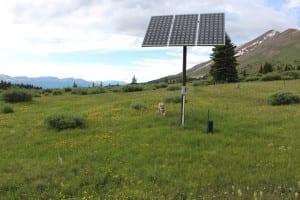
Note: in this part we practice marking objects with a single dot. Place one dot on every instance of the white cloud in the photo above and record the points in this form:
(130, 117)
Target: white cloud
(44, 27)
(294, 3)
(156, 68)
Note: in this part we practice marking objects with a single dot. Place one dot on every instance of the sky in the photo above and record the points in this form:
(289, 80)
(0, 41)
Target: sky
(100, 40)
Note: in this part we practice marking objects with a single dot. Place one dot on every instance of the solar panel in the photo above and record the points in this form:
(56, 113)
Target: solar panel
(186, 30)
(211, 29)
(158, 31)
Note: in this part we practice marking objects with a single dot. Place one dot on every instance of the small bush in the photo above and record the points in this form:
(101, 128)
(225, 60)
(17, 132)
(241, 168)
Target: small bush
(285, 77)
(160, 85)
(7, 109)
(172, 99)
(47, 91)
(138, 106)
(57, 92)
(132, 88)
(292, 74)
(271, 77)
(79, 91)
(60, 121)
(37, 94)
(202, 82)
(68, 89)
(173, 87)
(14, 96)
(252, 78)
(283, 98)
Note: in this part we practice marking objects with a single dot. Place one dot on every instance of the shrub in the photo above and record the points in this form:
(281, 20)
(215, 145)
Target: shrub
(60, 121)
(47, 91)
(79, 91)
(7, 109)
(285, 77)
(68, 89)
(14, 96)
(271, 77)
(132, 88)
(252, 78)
(160, 85)
(57, 92)
(138, 106)
(283, 98)
(202, 82)
(37, 94)
(292, 74)
(173, 87)
(172, 99)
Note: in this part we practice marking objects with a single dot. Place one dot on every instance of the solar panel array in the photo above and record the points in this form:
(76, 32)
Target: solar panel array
(186, 30)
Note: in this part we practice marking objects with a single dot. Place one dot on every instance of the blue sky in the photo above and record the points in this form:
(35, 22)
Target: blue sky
(101, 39)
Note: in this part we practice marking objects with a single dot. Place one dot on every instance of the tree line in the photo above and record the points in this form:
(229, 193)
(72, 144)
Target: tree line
(6, 85)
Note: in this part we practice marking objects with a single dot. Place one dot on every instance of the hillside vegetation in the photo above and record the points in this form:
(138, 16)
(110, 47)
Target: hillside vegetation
(129, 153)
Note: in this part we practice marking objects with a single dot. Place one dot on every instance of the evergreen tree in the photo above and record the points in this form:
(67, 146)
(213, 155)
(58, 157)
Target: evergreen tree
(74, 85)
(134, 81)
(244, 72)
(267, 68)
(224, 67)
(261, 69)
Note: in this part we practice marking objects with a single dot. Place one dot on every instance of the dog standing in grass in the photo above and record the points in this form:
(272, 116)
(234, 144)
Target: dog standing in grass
(162, 108)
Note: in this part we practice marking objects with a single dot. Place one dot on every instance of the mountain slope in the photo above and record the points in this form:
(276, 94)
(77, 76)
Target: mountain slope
(272, 46)
(281, 49)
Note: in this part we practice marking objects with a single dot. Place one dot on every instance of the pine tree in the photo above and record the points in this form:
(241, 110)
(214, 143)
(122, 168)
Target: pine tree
(224, 67)
(134, 81)
(261, 69)
(267, 68)
(74, 85)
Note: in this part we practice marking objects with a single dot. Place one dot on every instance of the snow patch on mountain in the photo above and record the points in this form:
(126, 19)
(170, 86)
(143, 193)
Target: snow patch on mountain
(250, 46)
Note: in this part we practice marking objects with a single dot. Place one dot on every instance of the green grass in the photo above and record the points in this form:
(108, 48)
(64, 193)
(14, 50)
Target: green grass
(138, 154)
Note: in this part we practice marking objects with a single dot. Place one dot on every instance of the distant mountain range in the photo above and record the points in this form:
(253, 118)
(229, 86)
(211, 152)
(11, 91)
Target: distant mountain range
(278, 48)
(54, 82)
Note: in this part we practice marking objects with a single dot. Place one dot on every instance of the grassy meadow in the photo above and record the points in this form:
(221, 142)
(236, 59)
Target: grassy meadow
(125, 153)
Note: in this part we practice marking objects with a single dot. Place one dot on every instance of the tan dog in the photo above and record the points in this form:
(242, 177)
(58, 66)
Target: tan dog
(162, 108)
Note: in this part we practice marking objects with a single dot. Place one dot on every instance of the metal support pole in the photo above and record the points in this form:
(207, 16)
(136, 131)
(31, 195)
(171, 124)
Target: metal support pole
(183, 84)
